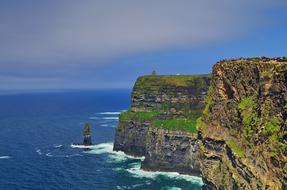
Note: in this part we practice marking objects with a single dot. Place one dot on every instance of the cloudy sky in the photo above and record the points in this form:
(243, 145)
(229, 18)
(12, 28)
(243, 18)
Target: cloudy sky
(72, 44)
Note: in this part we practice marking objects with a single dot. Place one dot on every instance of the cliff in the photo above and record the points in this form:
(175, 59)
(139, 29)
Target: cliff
(235, 135)
(243, 126)
(161, 123)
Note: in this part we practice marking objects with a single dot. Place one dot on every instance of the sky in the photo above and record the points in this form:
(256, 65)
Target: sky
(93, 44)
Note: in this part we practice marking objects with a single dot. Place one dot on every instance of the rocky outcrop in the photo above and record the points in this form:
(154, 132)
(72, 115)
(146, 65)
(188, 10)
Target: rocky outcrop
(131, 137)
(171, 151)
(148, 128)
(87, 135)
(244, 128)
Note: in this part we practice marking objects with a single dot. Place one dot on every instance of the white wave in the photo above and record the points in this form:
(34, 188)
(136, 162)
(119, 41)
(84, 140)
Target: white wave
(111, 118)
(106, 118)
(82, 146)
(58, 146)
(72, 155)
(62, 156)
(137, 172)
(172, 188)
(5, 157)
(94, 118)
(39, 151)
(49, 154)
(109, 113)
(104, 125)
(115, 156)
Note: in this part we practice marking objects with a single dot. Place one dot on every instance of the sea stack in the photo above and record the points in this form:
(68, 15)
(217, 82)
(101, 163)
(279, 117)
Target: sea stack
(87, 135)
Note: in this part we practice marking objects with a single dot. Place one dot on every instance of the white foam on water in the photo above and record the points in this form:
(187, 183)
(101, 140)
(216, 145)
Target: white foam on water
(5, 157)
(72, 155)
(172, 188)
(58, 146)
(109, 113)
(115, 156)
(111, 118)
(49, 154)
(104, 125)
(134, 168)
(82, 146)
(94, 118)
(39, 151)
(62, 156)
(137, 172)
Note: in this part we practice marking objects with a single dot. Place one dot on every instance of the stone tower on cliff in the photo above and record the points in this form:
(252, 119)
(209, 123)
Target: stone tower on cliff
(87, 135)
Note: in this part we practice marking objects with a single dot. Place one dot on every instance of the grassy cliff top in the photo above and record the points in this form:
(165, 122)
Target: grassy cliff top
(257, 59)
(153, 82)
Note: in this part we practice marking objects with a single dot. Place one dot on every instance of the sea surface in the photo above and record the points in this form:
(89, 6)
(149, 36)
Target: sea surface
(36, 133)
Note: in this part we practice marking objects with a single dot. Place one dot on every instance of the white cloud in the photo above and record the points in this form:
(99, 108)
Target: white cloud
(69, 30)
(49, 38)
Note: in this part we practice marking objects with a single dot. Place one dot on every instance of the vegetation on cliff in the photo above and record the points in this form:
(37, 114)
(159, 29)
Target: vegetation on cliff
(244, 125)
(140, 116)
(172, 102)
(178, 124)
(158, 82)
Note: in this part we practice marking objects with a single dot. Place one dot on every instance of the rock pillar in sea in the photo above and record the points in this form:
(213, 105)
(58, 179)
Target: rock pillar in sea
(87, 135)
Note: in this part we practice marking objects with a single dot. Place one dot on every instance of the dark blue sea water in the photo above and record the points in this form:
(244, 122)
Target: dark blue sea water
(37, 129)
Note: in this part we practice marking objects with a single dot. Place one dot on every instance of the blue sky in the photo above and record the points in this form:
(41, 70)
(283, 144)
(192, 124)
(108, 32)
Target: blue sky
(87, 44)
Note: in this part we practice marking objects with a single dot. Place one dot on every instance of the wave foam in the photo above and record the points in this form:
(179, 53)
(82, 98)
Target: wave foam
(94, 118)
(58, 146)
(62, 156)
(137, 172)
(5, 157)
(39, 151)
(115, 156)
(109, 113)
(111, 118)
(83, 146)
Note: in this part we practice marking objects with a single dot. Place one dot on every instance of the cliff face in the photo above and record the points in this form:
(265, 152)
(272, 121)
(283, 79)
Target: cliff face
(236, 136)
(243, 127)
(131, 137)
(161, 124)
(171, 151)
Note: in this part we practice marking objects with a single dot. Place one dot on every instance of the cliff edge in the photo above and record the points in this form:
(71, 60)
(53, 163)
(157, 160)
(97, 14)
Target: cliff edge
(243, 126)
(161, 123)
(234, 136)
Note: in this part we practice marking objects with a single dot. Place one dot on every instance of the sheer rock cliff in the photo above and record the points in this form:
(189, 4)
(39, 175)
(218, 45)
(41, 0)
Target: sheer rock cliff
(234, 136)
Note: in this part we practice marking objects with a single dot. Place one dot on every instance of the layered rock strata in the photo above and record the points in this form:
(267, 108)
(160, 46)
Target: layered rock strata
(161, 123)
(244, 128)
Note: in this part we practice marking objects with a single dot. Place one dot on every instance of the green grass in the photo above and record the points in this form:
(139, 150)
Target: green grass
(271, 127)
(245, 103)
(179, 124)
(141, 116)
(249, 117)
(236, 148)
(208, 99)
(156, 82)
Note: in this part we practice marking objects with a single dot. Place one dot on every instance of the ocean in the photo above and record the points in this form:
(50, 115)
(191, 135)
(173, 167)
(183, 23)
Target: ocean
(36, 133)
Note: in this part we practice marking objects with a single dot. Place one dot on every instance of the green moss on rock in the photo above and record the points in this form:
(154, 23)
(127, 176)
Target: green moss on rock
(236, 148)
(140, 116)
(179, 124)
